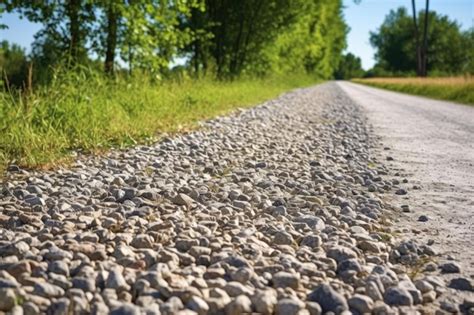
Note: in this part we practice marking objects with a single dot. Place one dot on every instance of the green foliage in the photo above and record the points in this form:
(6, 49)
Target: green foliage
(313, 42)
(350, 67)
(2, 10)
(84, 110)
(226, 38)
(268, 36)
(448, 47)
(13, 65)
(151, 33)
(66, 25)
(238, 32)
(468, 48)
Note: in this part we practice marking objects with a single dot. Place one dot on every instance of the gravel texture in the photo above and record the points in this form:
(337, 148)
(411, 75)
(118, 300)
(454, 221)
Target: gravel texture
(275, 210)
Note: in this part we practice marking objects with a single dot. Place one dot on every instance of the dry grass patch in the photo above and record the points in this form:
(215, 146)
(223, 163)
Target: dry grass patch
(457, 89)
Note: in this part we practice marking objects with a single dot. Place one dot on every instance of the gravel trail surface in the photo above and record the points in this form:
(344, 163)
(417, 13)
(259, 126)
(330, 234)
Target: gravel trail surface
(431, 143)
(280, 209)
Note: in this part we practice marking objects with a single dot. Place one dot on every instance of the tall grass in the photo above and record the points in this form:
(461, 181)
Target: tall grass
(457, 89)
(85, 111)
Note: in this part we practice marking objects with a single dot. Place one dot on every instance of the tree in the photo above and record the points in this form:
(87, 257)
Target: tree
(2, 10)
(151, 33)
(259, 37)
(313, 43)
(394, 43)
(113, 14)
(226, 37)
(238, 32)
(468, 46)
(349, 67)
(13, 65)
(66, 24)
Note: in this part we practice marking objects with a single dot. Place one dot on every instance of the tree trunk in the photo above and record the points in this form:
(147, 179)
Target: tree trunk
(233, 67)
(425, 41)
(220, 54)
(417, 41)
(73, 8)
(196, 24)
(250, 32)
(112, 19)
(130, 59)
(196, 58)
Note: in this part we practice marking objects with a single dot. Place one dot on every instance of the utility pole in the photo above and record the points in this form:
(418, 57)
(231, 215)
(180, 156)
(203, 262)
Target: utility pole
(417, 40)
(425, 41)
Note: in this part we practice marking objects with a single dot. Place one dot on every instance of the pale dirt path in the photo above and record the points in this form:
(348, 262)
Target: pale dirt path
(432, 144)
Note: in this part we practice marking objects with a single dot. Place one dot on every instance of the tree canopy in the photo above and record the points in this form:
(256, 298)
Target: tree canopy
(223, 38)
(449, 49)
(13, 64)
(350, 67)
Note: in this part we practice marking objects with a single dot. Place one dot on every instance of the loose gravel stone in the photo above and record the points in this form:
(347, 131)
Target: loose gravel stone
(423, 218)
(282, 238)
(265, 301)
(328, 299)
(398, 296)
(361, 303)
(125, 309)
(284, 279)
(463, 284)
(423, 286)
(314, 308)
(116, 281)
(47, 290)
(7, 299)
(450, 267)
(198, 305)
(289, 307)
(240, 305)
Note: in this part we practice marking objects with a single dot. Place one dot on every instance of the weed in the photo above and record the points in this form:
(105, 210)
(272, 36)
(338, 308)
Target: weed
(417, 268)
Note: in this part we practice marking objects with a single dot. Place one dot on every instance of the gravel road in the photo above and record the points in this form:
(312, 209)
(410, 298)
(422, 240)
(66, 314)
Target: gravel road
(280, 209)
(432, 143)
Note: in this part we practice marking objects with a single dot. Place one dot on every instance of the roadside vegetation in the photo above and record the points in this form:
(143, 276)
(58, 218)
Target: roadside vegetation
(456, 89)
(83, 111)
(114, 73)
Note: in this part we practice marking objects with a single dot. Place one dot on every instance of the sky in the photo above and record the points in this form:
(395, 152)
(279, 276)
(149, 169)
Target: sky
(362, 18)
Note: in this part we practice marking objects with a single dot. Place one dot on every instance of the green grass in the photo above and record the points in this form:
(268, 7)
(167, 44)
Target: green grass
(455, 89)
(83, 111)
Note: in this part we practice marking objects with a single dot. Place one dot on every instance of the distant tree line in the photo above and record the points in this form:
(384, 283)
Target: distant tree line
(403, 49)
(350, 67)
(219, 38)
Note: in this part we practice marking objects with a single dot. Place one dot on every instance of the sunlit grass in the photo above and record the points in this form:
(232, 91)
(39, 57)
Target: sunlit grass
(84, 111)
(457, 89)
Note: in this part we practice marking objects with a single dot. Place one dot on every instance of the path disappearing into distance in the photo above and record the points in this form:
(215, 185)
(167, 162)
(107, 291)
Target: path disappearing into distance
(333, 199)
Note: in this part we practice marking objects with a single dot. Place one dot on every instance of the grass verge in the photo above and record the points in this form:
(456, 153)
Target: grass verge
(456, 89)
(84, 111)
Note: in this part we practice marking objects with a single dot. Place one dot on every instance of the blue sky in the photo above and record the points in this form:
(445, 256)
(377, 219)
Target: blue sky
(362, 18)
